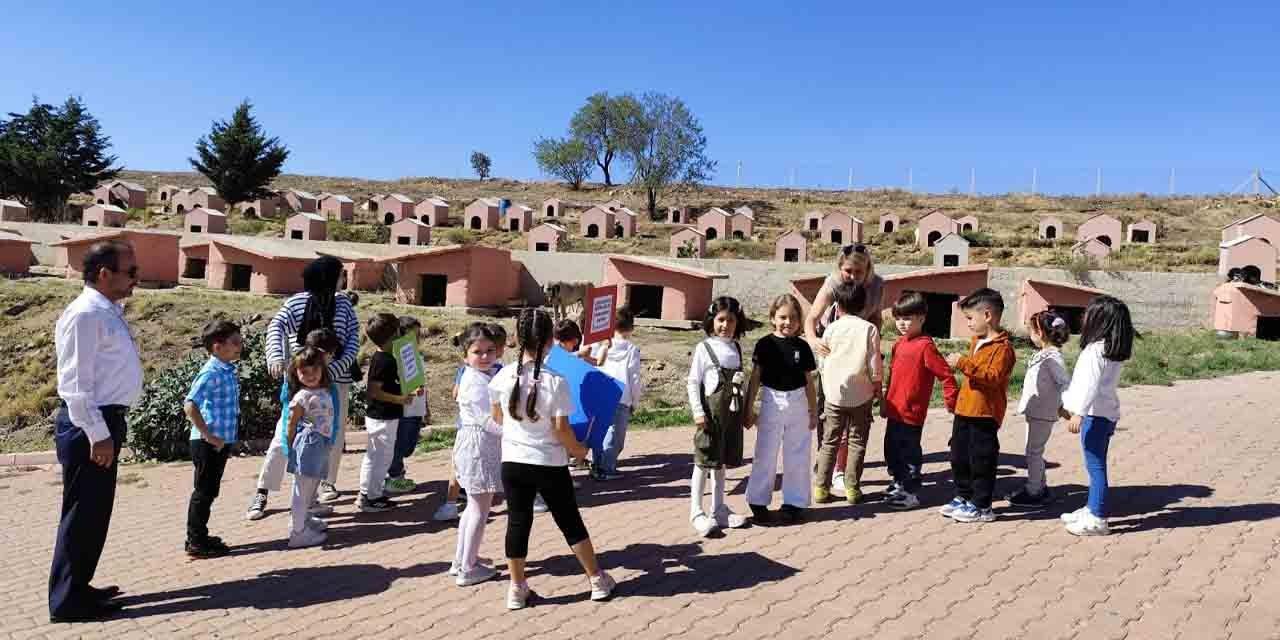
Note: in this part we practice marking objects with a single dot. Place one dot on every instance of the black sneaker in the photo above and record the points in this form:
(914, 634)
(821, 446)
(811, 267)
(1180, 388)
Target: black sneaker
(1024, 499)
(761, 515)
(374, 505)
(204, 549)
(790, 514)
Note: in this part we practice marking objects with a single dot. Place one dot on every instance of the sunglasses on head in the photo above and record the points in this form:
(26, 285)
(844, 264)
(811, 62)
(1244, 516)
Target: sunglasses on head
(850, 249)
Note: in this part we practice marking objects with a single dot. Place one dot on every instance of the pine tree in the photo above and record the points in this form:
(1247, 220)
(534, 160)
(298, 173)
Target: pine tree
(238, 158)
(50, 153)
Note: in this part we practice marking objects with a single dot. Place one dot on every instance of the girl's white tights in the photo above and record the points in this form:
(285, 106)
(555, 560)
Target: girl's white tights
(471, 531)
(304, 493)
(699, 487)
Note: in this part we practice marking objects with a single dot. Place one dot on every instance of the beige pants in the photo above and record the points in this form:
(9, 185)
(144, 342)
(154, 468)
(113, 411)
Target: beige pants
(837, 421)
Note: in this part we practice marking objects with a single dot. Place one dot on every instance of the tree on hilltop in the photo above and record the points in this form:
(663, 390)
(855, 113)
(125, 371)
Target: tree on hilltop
(566, 158)
(49, 153)
(602, 124)
(480, 163)
(665, 146)
(238, 158)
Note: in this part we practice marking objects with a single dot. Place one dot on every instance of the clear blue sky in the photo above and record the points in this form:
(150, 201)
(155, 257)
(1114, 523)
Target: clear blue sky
(392, 89)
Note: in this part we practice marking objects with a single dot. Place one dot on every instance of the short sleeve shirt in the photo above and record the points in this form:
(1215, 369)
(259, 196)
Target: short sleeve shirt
(783, 362)
(317, 409)
(383, 375)
(216, 393)
(525, 440)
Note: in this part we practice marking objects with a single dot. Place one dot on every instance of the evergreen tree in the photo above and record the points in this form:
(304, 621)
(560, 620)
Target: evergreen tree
(480, 163)
(238, 158)
(50, 153)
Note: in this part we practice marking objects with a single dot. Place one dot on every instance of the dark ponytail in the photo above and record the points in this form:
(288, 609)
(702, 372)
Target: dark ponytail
(533, 331)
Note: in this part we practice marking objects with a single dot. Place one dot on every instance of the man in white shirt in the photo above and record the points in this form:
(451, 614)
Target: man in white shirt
(99, 377)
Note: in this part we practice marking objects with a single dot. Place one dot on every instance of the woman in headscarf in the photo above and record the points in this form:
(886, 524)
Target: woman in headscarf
(853, 264)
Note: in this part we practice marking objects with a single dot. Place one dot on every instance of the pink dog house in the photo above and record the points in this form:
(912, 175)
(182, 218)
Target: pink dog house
(966, 223)
(813, 221)
(1067, 300)
(791, 247)
(104, 215)
(613, 205)
(1093, 249)
(193, 254)
(167, 192)
(715, 224)
(306, 226)
(1259, 226)
(205, 221)
(932, 227)
(260, 208)
(155, 251)
(298, 201)
(12, 211)
(1248, 252)
(519, 218)
(547, 237)
(483, 214)
(890, 222)
(338, 207)
(1142, 232)
(410, 233)
(15, 254)
(1245, 309)
(363, 273)
(942, 288)
(205, 197)
(552, 208)
(433, 211)
(395, 207)
(654, 289)
(838, 227)
(625, 222)
(1106, 229)
(597, 222)
(1050, 229)
(689, 241)
(126, 195)
(742, 223)
(454, 276)
(257, 265)
(678, 215)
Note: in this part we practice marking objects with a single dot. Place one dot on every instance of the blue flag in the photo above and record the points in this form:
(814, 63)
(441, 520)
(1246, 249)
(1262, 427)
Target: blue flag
(595, 395)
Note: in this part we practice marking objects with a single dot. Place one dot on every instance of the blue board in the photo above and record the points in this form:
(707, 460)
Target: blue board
(595, 395)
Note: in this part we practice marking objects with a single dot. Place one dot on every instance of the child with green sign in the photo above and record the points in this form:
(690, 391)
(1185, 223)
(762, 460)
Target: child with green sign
(386, 402)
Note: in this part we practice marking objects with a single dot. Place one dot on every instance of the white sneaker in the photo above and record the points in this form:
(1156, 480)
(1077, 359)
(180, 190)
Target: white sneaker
(704, 525)
(320, 510)
(518, 596)
(328, 492)
(837, 480)
(1068, 518)
(1088, 525)
(539, 505)
(308, 537)
(447, 511)
(480, 574)
(316, 524)
(727, 519)
(602, 586)
(258, 508)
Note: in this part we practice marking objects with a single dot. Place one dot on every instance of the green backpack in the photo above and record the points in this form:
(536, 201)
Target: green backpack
(719, 442)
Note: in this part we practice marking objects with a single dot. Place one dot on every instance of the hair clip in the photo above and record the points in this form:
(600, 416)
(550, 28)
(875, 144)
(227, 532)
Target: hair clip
(1058, 322)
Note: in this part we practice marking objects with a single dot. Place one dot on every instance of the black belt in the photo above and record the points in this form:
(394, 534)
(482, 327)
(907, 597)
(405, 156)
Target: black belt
(109, 410)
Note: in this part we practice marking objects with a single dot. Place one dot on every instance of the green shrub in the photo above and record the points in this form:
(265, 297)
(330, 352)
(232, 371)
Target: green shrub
(458, 236)
(372, 233)
(977, 238)
(903, 237)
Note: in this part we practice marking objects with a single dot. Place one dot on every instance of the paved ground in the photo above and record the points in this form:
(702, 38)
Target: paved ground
(1196, 553)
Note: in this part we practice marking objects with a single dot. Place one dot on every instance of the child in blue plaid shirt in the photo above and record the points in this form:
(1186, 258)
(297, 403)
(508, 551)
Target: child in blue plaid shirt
(213, 407)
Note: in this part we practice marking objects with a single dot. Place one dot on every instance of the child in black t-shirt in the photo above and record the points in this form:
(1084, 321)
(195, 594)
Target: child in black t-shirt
(784, 367)
(382, 419)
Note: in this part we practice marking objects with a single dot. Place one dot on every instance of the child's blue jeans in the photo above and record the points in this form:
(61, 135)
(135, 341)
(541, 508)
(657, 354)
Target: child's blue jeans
(407, 434)
(605, 456)
(1095, 437)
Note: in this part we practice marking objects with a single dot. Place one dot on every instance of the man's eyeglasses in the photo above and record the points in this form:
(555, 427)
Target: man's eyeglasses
(132, 272)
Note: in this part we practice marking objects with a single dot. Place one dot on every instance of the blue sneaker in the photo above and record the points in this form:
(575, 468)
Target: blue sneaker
(951, 507)
(970, 513)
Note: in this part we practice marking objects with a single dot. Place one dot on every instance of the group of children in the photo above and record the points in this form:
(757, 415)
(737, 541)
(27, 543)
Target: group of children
(513, 435)
(851, 377)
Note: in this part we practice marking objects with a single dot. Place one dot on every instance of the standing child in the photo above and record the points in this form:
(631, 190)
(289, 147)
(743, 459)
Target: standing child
(1041, 399)
(382, 419)
(851, 381)
(534, 407)
(310, 432)
(620, 360)
(784, 365)
(975, 443)
(477, 453)
(717, 403)
(455, 496)
(409, 430)
(213, 407)
(1091, 405)
(914, 364)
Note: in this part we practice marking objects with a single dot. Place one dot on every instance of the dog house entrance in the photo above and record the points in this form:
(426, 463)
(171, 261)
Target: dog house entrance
(950, 260)
(542, 246)
(295, 234)
(646, 300)
(1074, 317)
(1141, 235)
(431, 290)
(404, 240)
(194, 268)
(791, 255)
(1269, 328)
(837, 236)
(937, 320)
(241, 275)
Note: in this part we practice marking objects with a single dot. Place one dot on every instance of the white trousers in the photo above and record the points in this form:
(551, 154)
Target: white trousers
(783, 423)
(1038, 432)
(471, 531)
(699, 487)
(377, 455)
(276, 463)
(304, 494)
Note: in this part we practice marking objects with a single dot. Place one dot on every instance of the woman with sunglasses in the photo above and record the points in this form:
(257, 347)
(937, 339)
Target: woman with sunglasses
(853, 264)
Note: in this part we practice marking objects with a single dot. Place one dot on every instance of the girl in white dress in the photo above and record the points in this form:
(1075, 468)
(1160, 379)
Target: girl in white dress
(477, 452)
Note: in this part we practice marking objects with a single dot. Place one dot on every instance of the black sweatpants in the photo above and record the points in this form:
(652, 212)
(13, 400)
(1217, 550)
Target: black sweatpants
(523, 482)
(88, 496)
(975, 453)
(209, 464)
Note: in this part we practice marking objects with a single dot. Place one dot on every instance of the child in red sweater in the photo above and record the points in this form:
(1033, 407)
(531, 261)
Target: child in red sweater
(915, 363)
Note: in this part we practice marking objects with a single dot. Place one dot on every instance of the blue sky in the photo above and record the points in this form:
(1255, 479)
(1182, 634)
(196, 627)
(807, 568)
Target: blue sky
(793, 90)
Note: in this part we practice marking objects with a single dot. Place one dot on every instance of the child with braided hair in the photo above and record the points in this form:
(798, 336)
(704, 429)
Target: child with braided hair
(533, 406)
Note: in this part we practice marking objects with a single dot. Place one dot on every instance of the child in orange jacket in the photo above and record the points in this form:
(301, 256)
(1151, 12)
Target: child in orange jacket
(975, 445)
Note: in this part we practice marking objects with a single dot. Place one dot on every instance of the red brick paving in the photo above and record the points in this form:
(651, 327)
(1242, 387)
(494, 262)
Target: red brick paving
(1195, 554)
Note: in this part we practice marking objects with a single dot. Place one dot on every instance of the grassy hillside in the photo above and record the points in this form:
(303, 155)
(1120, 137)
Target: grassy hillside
(1189, 227)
